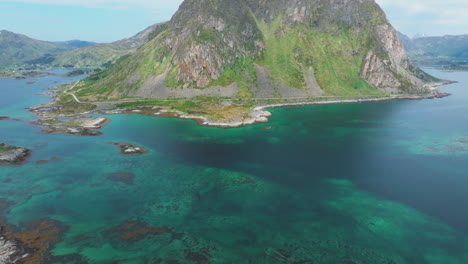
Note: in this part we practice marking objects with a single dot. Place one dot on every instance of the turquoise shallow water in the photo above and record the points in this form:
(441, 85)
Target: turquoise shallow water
(352, 183)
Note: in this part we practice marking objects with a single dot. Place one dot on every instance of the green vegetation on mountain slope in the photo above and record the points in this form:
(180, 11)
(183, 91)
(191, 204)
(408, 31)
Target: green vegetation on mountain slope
(19, 50)
(104, 54)
(337, 58)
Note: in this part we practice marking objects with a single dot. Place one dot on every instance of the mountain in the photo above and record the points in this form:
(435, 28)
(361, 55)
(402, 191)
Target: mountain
(19, 50)
(265, 49)
(76, 43)
(430, 49)
(95, 56)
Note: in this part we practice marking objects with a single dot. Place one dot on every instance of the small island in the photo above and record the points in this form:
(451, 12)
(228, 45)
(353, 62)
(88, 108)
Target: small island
(76, 125)
(12, 155)
(129, 149)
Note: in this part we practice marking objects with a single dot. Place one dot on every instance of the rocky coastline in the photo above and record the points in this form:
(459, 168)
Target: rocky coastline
(52, 121)
(82, 125)
(364, 100)
(32, 245)
(12, 155)
(77, 125)
(29, 243)
(10, 251)
(259, 114)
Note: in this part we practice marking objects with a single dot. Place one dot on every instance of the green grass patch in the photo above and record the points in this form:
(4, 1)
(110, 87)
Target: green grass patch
(243, 73)
(280, 52)
(143, 103)
(179, 105)
(171, 79)
(151, 60)
(336, 57)
(4, 148)
(68, 106)
(206, 35)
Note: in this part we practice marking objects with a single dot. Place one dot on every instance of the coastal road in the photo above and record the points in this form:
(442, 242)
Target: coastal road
(74, 96)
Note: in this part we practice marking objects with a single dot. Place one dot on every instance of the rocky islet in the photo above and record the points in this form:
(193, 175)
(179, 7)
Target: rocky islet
(12, 155)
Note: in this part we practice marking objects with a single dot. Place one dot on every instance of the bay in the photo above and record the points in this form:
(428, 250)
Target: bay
(347, 183)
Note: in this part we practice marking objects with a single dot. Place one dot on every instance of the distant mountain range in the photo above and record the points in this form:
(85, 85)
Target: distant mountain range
(102, 55)
(20, 51)
(427, 50)
(76, 43)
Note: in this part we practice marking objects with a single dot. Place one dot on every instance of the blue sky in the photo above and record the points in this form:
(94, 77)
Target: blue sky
(109, 20)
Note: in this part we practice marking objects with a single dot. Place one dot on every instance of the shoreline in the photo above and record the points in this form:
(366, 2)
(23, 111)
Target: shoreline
(365, 100)
(257, 114)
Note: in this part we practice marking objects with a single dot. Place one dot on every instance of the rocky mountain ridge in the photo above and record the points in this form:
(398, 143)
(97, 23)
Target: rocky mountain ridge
(437, 48)
(103, 54)
(19, 50)
(255, 49)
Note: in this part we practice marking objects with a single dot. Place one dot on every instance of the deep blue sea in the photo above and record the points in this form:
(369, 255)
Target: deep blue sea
(381, 182)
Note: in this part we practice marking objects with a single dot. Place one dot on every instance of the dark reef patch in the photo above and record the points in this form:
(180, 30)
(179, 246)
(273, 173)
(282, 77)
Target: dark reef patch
(31, 243)
(134, 231)
(122, 177)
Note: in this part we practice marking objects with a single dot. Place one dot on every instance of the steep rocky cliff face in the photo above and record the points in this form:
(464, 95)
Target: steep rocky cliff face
(266, 49)
(395, 71)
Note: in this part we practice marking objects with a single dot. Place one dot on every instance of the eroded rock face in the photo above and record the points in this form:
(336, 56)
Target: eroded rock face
(204, 39)
(207, 37)
(394, 72)
(383, 73)
(375, 72)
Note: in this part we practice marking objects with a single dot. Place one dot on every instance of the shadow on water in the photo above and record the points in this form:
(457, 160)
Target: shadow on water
(353, 141)
(299, 159)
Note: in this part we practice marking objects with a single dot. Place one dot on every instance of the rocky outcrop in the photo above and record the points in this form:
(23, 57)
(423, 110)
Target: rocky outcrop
(32, 244)
(11, 155)
(10, 252)
(77, 125)
(128, 148)
(391, 72)
(375, 73)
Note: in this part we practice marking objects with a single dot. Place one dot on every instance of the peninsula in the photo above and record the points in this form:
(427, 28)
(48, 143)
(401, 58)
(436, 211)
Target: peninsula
(222, 62)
